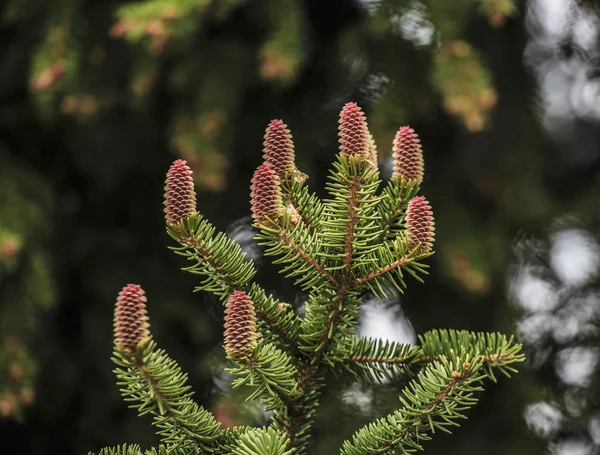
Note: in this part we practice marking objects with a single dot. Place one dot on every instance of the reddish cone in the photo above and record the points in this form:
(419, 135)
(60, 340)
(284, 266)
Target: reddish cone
(278, 148)
(353, 132)
(420, 227)
(408, 157)
(240, 326)
(265, 194)
(180, 197)
(131, 319)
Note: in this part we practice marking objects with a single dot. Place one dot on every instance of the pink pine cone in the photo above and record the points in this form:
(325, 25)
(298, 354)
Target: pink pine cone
(131, 327)
(278, 148)
(420, 226)
(353, 132)
(407, 157)
(265, 194)
(180, 196)
(240, 326)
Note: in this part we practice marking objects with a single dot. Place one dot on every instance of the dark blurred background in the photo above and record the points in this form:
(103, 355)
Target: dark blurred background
(98, 97)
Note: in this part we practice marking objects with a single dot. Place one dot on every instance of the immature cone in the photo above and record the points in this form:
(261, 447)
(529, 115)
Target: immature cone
(131, 319)
(265, 194)
(420, 227)
(353, 132)
(180, 197)
(408, 157)
(240, 326)
(278, 150)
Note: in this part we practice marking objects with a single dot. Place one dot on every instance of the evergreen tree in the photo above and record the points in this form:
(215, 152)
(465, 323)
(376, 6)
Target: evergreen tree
(357, 241)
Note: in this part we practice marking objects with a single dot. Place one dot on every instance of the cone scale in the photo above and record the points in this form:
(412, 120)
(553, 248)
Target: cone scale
(278, 148)
(180, 196)
(353, 132)
(265, 195)
(240, 326)
(131, 327)
(407, 157)
(420, 226)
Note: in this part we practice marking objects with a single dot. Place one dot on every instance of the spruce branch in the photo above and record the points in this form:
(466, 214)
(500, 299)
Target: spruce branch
(152, 381)
(271, 372)
(394, 199)
(155, 384)
(226, 269)
(372, 360)
(496, 351)
(285, 237)
(298, 250)
(350, 221)
(262, 366)
(355, 241)
(218, 259)
(435, 400)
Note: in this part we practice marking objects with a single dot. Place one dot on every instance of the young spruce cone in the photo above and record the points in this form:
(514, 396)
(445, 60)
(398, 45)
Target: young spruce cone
(419, 225)
(278, 148)
(131, 319)
(265, 194)
(408, 157)
(240, 326)
(353, 132)
(180, 197)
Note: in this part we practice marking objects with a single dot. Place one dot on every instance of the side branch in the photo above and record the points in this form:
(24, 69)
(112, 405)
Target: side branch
(387, 225)
(274, 327)
(436, 399)
(285, 237)
(374, 359)
(420, 420)
(210, 260)
(398, 263)
(162, 403)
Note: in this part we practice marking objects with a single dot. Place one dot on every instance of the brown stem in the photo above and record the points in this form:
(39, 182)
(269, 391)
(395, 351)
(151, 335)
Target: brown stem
(372, 359)
(352, 219)
(388, 268)
(273, 327)
(493, 359)
(306, 257)
(307, 372)
(155, 391)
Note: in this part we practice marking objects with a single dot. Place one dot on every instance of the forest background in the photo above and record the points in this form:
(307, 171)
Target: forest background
(98, 98)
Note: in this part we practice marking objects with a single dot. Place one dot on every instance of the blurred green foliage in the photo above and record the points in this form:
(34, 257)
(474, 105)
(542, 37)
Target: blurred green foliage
(97, 98)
